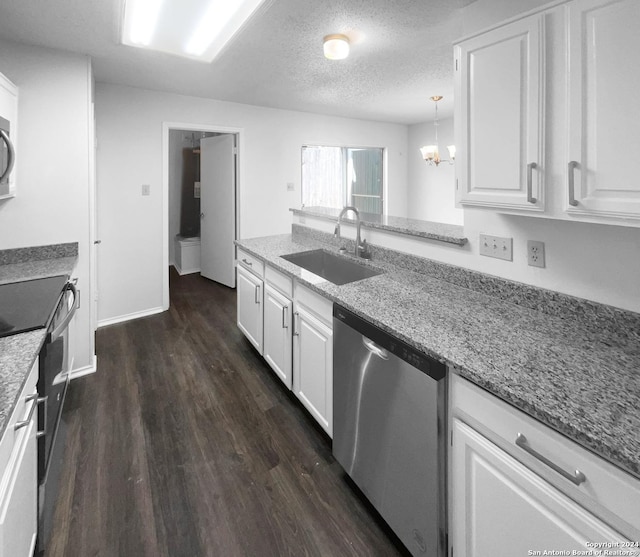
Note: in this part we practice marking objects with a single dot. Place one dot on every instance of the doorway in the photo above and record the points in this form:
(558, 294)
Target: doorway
(186, 192)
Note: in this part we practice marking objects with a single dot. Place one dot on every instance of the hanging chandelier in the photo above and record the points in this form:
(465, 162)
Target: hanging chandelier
(430, 153)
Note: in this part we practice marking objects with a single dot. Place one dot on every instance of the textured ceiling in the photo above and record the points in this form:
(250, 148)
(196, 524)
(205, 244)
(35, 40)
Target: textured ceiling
(401, 54)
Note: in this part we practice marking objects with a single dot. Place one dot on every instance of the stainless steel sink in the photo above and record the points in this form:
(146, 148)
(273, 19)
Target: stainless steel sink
(334, 268)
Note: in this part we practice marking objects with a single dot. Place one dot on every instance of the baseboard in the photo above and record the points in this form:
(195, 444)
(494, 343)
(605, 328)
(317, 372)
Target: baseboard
(186, 271)
(129, 317)
(86, 370)
(80, 372)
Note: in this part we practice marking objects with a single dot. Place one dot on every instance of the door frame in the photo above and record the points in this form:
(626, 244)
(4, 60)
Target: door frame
(166, 127)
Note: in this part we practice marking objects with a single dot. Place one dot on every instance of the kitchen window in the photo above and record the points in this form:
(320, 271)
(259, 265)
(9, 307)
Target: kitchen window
(338, 176)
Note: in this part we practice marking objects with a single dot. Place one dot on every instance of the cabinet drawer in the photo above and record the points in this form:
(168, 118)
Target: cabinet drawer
(279, 281)
(20, 413)
(321, 306)
(607, 491)
(250, 262)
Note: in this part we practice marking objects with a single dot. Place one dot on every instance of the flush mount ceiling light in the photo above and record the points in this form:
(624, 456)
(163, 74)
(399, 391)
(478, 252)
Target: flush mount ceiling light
(430, 153)
(196, 29)
(336, 47)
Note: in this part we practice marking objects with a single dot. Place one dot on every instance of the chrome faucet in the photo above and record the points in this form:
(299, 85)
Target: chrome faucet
(361, 249)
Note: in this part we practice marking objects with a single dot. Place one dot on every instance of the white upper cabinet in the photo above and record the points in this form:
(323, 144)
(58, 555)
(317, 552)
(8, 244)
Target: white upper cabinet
(499, 117)
(9, 136)
(546, 114)
(604, 115)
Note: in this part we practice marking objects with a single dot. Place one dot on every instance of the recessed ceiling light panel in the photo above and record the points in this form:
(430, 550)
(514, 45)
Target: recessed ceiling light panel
(140, 21)
(196, 29)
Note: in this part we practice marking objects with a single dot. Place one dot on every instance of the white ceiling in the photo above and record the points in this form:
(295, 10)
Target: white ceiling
(401, 54)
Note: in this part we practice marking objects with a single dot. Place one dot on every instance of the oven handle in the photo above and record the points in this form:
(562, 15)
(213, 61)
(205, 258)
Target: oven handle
(65, 322)
(11, 159)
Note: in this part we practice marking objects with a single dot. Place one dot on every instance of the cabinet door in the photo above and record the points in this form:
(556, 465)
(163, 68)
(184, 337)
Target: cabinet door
(8, 112)
(278, 311)
(18, 506)
(501, 508)
(604, 137)
(249, 293)
(313, 366)
(499, 117)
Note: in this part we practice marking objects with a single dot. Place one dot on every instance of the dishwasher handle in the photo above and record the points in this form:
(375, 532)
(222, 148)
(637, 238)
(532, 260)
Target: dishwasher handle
(374, 348)
(381, 343)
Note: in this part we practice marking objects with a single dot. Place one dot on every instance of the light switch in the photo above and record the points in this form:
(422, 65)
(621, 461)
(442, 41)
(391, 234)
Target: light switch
(146, 189)
(290, 186)
(496, 246)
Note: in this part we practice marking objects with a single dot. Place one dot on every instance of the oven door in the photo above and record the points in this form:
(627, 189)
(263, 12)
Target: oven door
(54, 374)
(52, 383)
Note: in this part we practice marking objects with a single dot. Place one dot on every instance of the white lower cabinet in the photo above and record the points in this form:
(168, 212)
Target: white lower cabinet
(249, 300)
(291, 326)
(545, 494)
(313, 366)
(278, 312)
(19, 484)
(502, 509)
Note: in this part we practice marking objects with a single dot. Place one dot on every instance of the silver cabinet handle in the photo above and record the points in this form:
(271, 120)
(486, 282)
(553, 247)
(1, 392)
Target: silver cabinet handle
(285, 315)
(530, 168)
(572, 186)
(295, 332)
(36, 401)
(577, 477)
(11, 155)
(247, 262)
(257, 293)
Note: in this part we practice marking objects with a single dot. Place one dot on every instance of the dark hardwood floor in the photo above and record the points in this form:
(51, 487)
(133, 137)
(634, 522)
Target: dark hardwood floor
(184, 443)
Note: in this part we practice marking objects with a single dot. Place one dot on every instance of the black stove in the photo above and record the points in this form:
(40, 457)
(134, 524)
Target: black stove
(28, 305)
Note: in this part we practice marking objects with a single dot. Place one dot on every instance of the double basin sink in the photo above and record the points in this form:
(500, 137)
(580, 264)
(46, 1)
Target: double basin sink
(334, 268)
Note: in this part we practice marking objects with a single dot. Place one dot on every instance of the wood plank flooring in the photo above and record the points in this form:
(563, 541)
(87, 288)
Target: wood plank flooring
(184, 443)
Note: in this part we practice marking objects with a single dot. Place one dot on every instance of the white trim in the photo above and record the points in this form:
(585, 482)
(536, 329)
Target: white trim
(80, 372)
(166, 126)
(129, 317)
(187, 271)
(93, 210)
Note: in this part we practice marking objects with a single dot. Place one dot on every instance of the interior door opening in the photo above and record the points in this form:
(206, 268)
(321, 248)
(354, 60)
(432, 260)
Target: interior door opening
(201, 193)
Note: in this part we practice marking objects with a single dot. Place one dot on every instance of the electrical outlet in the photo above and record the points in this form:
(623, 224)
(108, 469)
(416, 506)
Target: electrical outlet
(290, 186)
(496, 246)
(535, 253)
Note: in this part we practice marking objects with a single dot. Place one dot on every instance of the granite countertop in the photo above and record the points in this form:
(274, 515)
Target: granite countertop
(442, 232)
(577, 374)
(19, 352)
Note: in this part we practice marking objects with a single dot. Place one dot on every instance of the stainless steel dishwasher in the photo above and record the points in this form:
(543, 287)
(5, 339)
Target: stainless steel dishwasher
(389, 429)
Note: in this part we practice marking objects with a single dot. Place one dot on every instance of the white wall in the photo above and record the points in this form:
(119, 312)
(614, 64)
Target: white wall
(53, 191)
(431, 189)
(129, 131)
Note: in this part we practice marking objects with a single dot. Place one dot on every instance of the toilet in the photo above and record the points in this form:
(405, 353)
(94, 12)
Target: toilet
(187, 254)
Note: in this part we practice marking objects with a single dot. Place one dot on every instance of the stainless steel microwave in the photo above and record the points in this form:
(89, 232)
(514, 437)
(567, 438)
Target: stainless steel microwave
(7, 155)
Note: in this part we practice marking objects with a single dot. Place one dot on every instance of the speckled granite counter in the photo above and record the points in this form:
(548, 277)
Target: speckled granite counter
(570, 363)
(19, 352)
(448, 233)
